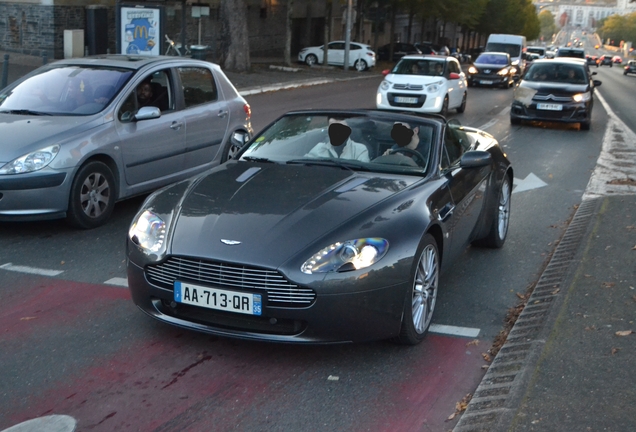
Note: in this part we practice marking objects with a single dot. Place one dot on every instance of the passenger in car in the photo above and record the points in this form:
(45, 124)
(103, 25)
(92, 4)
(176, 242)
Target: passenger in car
(147, 95)
(340, 145)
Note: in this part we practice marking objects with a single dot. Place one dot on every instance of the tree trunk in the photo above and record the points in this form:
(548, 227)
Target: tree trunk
(234, 13)
(325, 59)
(288, 32)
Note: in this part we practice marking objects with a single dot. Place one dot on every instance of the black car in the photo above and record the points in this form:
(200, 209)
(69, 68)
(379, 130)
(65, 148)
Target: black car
(399, 50)
(426, 48)
(605, 60)
(492, 69)
(329, 226)
(630, 67)
(570, 52)
(558, 89)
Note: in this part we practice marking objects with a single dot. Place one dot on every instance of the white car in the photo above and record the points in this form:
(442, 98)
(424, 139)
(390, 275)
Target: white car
(424, 83)
(361, 56)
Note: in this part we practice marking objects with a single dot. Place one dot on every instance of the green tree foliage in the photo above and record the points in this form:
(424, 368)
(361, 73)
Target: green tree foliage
(510, 16)
(548, 26)
(618, 28)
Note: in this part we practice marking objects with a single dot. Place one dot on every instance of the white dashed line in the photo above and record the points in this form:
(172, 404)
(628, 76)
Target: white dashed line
(454, 331)
(123, 282)
(31, 270)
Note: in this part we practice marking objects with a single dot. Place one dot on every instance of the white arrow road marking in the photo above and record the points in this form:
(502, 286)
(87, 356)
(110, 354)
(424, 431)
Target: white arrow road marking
(123, 282)
(530, 182)
(31, 270)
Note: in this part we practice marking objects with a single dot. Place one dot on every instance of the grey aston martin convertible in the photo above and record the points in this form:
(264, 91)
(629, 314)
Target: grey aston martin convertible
(329, 226)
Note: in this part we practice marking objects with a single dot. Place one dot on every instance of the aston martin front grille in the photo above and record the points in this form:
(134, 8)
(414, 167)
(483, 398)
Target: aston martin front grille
(280, 292)
(414, 87)
(551, 97)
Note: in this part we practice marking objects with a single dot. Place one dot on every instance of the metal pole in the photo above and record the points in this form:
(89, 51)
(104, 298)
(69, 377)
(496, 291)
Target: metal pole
(45, 58)
(183, 26)
(5, 71)
(348, 35)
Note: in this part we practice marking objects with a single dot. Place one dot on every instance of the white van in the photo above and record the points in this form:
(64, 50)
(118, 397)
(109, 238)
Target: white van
(515, 45)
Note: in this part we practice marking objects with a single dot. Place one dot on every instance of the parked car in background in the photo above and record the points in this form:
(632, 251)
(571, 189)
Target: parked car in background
(289, 244)
(492, 69)
(400, 49)
(605, 60)
(425, 84)
(617, 59)
(630, 67)
(560, 90)
(570, 52)
(361, 56)
(79, 134)
(426, 48)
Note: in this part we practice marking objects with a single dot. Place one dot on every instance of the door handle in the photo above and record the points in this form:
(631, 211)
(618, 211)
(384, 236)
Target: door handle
(222, 113)
(176, 125)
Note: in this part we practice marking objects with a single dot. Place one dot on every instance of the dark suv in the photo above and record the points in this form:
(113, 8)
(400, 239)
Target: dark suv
(570, 52)
(605, 60)
(630, 67)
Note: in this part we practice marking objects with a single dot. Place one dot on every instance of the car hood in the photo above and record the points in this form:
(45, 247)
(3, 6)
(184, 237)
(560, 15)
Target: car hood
(22, 134)
(273, 210)
(543, 87)
(413, 79)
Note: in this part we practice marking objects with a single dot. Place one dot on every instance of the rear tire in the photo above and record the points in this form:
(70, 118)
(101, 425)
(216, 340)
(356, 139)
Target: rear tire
(360, 65)
(311, 60)
(92, 197)
(420, 303)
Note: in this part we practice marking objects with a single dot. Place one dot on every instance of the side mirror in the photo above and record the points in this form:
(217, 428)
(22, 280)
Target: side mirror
(594, 73)
(475, 159)
(454, 76)
(385, 72)
(597, 83)
(147, 113)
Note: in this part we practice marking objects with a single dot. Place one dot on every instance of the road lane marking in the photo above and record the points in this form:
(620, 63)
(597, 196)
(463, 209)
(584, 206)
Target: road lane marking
(453, 330)
(31, 270)
(530, 182)
(489, 124)
(123, 282)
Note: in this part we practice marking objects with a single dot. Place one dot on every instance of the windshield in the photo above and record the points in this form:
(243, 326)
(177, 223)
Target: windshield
(492, 59)
(358, 142)
(427, 67)
(555, 72)
(68, 90)
(513, 49)
(540, 51)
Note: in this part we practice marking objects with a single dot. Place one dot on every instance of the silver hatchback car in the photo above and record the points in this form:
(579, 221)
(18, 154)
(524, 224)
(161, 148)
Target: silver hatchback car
(81, 134)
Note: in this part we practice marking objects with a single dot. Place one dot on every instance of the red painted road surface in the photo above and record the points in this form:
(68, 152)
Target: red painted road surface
(85, 350)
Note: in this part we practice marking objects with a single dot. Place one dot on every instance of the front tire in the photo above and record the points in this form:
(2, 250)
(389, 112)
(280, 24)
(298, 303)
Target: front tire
(462, 107)
(444, 110)
(92, 197)
(311, 60)
(499, 228)
(231, 149)
(420, 303)
(515, 121)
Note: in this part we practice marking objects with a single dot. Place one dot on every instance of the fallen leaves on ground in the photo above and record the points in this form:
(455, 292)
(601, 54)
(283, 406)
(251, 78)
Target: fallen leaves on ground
(27, 318)
(608, 284)
(460, 406)
(476, 341)
(624, 332)
(486, 357)
(624, 182)
(615, 351)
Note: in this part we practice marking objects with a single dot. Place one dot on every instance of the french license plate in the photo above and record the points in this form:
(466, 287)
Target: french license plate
(485, 82)
(219, 299)
(409, 100)
(550, 107)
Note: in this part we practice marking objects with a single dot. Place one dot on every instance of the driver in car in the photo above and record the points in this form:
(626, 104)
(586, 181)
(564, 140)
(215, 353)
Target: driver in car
(340, 145)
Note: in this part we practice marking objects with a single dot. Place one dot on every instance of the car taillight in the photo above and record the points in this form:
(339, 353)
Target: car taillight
(248, 110)
(370, 54)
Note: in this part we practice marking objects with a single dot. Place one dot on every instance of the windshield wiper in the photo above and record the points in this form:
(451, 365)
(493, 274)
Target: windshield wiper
(26, 112)
(344, 164)
(257, 159)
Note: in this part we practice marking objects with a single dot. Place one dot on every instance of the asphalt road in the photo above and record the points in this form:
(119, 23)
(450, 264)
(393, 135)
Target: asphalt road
(78, 346)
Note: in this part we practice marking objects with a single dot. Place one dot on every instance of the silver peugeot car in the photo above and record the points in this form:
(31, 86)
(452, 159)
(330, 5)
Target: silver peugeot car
(80, 134)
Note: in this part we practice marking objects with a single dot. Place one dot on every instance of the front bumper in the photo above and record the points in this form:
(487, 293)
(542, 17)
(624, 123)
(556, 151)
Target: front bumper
(488, 79)
(420, 102)
(571, 113)
(364, 315)
(38, 195)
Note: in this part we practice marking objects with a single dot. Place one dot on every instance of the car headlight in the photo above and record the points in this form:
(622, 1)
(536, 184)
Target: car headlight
(385, 85)
(503, 72)
(148, 232)
(472, 70)
(433, 88)
(582, 97)
(346, 256)
(515, 63)
(32, 161)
